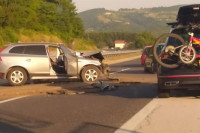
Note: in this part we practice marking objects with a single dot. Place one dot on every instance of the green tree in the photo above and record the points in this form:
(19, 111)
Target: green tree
(56, 17)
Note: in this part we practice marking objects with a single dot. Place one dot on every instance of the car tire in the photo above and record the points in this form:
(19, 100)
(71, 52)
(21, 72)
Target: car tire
(17, 76)
(145, 70)
(152, 67)
(90, 74)
(163, 93)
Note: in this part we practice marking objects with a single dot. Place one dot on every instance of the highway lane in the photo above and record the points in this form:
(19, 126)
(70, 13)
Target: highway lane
(132, 71)
(97, 112)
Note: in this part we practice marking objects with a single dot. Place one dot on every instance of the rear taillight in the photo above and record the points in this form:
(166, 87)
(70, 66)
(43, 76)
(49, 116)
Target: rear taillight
(3, 49)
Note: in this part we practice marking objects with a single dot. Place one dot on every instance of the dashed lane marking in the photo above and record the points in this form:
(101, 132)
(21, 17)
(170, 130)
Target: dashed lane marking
(125, 69)
(12, 99)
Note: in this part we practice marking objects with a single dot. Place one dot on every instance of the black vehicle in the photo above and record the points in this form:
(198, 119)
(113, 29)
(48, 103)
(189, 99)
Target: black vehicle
(150, 64)
(184, 76)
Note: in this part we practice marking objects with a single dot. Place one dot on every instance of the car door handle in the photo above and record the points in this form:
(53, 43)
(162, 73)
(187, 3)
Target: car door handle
(28, 60)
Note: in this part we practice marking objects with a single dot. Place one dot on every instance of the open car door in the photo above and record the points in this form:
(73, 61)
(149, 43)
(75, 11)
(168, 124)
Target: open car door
(71, 62)
(71, 65)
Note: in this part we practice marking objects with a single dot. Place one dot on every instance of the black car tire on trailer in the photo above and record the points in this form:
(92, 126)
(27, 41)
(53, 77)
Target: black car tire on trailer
(17, 76)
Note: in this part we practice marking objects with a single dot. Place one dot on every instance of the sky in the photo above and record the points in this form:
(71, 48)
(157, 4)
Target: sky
(83, 5)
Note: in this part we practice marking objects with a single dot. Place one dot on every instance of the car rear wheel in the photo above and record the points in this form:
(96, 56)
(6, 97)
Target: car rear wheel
(162, 93)
(153, 69)
(17, 76)
(90, 74)
(145, 69)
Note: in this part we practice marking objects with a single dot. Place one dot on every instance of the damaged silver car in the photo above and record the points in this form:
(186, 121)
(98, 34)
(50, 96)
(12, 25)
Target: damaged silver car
(28, 61)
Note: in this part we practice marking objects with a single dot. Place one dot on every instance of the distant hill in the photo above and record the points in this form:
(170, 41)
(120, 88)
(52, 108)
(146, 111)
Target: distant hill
(130, 20)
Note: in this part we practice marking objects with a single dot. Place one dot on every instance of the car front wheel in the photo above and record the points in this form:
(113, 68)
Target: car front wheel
(17, 76)
(90, 74)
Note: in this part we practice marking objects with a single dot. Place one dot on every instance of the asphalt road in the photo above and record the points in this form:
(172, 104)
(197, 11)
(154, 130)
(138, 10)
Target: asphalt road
(101, 112)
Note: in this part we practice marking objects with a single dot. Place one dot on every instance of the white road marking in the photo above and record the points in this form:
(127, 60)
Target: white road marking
(125, 69)
(12, 99)
(133, 122)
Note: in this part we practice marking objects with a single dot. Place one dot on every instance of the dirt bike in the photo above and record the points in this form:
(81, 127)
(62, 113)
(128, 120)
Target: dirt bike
(176, 51)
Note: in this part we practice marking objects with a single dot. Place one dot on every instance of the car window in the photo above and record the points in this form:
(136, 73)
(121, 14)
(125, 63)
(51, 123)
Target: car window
(53, 52)
(160, 47)
(146, 51)
(174, 41)
(35, 50)
(17, 50)
(184, 33)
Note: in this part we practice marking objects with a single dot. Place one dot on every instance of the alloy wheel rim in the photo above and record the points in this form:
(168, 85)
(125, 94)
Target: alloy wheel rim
(91, 75)
(17, 77)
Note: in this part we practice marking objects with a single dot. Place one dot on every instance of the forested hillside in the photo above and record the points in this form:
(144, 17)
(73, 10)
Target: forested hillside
(133, 40)
(38, 20)
(57, 21)
(129, 20)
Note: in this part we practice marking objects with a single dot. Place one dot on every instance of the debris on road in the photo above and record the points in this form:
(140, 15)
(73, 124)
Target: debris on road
(65, 92)
(84, 88)
(63, 88)
(103, 86)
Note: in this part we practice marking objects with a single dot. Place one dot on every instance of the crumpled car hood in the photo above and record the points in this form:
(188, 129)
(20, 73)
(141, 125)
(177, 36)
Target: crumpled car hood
(94, 54)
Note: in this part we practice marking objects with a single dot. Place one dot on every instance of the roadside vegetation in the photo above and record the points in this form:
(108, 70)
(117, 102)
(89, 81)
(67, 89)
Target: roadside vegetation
(133, 40)
(57, 21)
(39, 20)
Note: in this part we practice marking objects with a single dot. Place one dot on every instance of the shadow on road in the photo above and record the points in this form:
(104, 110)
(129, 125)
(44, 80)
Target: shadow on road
(122, 89)
(88, 127)
(185, 93)
(18, 123)
(8, 128)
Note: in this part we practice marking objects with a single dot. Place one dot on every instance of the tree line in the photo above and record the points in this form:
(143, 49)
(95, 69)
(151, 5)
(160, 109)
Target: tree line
(134, 40)
(57, 17)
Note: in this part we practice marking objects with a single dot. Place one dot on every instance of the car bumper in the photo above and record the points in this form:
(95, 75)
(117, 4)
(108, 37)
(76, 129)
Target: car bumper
(105, 69)
(185, 82)
(147, 65)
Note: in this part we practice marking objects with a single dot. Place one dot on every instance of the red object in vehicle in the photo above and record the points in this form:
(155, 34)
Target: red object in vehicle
(1, 51)
(145, 52)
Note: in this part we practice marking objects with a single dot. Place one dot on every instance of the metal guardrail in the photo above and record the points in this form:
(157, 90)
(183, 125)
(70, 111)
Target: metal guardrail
(112, 53)
(108, 54)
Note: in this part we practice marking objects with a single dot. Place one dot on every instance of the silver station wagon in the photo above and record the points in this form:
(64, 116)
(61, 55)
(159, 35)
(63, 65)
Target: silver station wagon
(28, 61)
